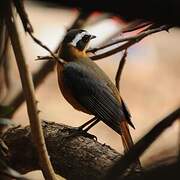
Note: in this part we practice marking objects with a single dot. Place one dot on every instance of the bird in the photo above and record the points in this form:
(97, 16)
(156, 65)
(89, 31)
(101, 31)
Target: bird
(89, 89)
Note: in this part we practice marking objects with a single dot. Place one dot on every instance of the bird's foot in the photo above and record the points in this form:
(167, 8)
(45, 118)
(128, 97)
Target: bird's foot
(86, 134)
(76, 131)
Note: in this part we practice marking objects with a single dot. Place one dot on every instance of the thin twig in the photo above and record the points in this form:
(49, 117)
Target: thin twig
(135, 25)
(120, 69)
(29, 94)
(134, 38)
(124, 30)
(28, 27)
(3, 39)
(38, 78)
(155, 26)
(122, 164)
(126, 137)
(44, 58)
(179, 141)
(117, 41)
(19, 4)
(45, 47)
(131, 40)
(80, 21)
(94, 50)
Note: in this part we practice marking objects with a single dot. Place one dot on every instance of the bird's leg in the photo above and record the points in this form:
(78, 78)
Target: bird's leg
(77, 131)
(87, 123)
(91, 125)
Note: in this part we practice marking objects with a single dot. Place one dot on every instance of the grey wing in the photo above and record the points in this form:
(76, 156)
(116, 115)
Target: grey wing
(93, 94)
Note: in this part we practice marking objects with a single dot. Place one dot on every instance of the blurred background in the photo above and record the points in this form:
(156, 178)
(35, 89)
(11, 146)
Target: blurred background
(150, 83)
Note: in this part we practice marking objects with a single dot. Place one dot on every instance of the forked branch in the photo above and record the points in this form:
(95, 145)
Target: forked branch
(131, 41)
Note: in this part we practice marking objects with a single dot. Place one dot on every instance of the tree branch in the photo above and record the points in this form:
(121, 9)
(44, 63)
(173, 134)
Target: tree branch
(135, 25)
(131, 26)
(54, 57)
(23, 15)
(165, 170)
(28, 90)
(120, 69)
(76, 158)
(131, 41)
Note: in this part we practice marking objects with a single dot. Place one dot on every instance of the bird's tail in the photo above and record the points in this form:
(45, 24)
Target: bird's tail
(128, 141)
(126, 136)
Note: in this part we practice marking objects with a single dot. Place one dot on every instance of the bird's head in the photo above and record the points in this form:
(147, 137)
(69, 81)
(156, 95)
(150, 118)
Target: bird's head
(78, 39)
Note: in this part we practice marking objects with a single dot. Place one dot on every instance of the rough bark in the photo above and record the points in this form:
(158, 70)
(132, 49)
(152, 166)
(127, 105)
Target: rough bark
(73, 158)
(79, 157)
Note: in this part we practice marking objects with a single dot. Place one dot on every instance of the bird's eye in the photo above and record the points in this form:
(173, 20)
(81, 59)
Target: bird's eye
(86, 38)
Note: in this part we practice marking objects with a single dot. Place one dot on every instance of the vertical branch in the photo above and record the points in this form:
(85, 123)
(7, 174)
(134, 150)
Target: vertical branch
(5, 61)
(28, 90)
(120, 68)
(19, 4)
(2, 54)
(126, 136)
(179, 141)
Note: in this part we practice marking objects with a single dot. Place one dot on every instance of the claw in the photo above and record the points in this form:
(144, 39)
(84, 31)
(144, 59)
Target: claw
(78, 132)
(88, 135)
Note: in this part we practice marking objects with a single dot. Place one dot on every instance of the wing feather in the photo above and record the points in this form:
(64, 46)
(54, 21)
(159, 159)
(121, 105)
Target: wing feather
(93, 93)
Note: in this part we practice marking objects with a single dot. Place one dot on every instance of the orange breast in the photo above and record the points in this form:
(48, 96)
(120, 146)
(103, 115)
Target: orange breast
(66, 92)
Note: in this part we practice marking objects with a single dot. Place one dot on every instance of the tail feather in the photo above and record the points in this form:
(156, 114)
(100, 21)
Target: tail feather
(127, 141)
(123, 130)
(127, 114)
(126, 136)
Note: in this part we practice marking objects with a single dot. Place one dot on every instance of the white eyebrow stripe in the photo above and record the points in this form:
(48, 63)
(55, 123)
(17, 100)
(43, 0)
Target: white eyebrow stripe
(78, 37)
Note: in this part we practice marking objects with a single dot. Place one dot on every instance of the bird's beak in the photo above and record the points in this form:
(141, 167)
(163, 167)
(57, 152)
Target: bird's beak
(93, 36)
